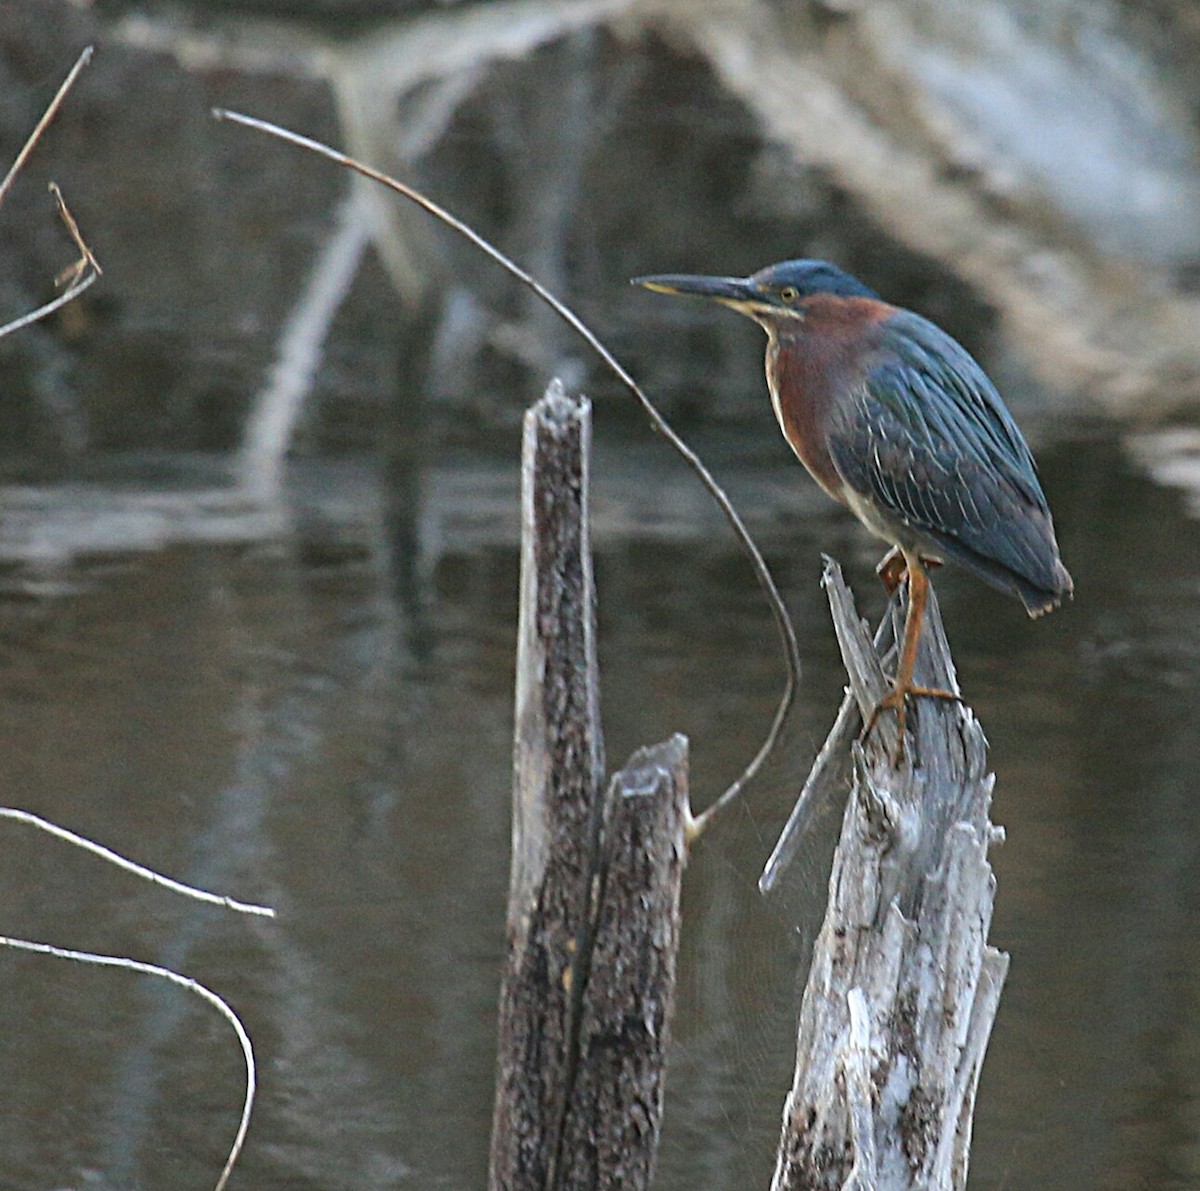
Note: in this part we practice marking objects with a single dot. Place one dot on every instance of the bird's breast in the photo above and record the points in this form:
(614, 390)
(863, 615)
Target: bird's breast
(805, 377)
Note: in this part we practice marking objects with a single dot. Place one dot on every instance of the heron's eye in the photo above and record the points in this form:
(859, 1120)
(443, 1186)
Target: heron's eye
(789, 294)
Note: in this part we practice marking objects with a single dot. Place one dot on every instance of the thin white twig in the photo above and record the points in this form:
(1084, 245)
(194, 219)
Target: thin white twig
(783, 621)
(87, 260)
(194, 986)
(47, 116)
(130, 866)
(42, 311)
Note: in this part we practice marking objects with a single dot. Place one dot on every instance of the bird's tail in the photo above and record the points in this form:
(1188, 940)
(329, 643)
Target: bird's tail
(1040, 600)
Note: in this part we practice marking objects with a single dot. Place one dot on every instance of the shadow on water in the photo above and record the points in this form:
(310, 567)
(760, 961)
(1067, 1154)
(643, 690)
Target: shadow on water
(253, 716)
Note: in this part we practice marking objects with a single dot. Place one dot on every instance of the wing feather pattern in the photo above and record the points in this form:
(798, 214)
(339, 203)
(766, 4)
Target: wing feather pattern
(930, 444)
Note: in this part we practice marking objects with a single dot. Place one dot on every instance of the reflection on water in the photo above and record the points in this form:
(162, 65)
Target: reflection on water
(252, 715)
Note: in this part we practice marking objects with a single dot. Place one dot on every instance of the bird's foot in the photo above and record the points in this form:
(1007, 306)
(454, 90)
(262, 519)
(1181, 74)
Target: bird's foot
(892, 569)
(896, 700)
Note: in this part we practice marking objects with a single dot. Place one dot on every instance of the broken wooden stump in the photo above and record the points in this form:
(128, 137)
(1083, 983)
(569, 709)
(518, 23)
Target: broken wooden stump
(588, 987)
(903, 987)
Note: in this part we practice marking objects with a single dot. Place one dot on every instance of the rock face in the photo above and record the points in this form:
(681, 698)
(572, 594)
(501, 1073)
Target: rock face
(1024, 172)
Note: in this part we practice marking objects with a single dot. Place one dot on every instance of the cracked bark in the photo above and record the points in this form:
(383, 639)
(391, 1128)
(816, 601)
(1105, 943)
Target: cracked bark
(588, 987)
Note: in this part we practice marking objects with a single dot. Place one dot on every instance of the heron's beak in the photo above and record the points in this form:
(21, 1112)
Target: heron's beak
(720, 289)
(738, 293)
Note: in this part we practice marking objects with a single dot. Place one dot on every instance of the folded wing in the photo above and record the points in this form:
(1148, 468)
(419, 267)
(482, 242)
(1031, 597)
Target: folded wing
(930, 444)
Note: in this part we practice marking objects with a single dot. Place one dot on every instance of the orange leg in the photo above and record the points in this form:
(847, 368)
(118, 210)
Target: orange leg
(903, 685)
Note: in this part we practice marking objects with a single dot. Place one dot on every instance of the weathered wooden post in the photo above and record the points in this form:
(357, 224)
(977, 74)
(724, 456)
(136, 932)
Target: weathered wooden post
(588, 987)
(903, 987)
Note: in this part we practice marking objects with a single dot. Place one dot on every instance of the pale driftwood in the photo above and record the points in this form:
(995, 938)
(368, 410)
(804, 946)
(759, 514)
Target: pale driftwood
(593, 914)
(903, 987)
(828, 777)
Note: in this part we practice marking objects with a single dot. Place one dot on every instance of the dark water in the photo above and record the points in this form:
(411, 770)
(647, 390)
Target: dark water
(276, 722)
(314, 710)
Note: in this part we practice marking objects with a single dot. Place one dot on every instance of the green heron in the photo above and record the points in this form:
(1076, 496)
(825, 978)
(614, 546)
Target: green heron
(893, 418)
